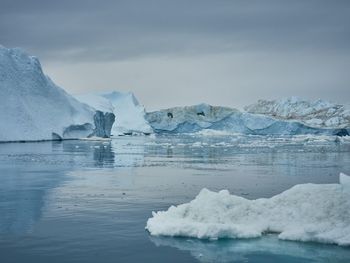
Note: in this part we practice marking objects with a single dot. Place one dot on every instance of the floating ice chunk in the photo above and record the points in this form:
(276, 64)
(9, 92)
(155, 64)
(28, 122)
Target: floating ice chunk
(306, 212)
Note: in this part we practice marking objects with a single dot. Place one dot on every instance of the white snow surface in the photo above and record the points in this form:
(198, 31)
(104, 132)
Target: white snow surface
(318, 113)
(130, 115)
(305, 212)
(32, 107)
(95, 101)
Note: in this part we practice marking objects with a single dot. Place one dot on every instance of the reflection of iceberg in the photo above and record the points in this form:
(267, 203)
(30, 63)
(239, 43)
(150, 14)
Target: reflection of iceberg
(25, 200)
(266, 249)
(129, 151)
(24, 187)
(306, 212)
(103, 155)
(100, 152)
(40, 168)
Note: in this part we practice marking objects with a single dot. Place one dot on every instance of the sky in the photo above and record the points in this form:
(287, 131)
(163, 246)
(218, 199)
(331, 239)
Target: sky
(184, 52)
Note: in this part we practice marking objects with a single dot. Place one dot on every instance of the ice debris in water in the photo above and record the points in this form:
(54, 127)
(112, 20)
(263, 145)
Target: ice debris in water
(305, 212)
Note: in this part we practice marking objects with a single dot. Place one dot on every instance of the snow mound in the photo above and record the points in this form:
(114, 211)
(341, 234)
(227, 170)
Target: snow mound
(192, 119)
(32, 107)
(317, 113)
(130, 115)
(306, 212)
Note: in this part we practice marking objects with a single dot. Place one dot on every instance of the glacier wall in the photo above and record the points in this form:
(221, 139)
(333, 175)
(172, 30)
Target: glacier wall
(203, 116)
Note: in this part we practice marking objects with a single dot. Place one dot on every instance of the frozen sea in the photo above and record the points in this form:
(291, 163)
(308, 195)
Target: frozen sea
(88, 201)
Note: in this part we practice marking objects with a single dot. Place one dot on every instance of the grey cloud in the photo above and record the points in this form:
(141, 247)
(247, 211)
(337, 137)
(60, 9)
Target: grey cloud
(229, 52)
(115, 30)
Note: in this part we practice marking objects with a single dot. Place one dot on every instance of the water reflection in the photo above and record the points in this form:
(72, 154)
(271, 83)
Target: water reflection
(103, 155)
(29, 173)
(129, 151)
(23, 193)
(110, 188)
(266, 249)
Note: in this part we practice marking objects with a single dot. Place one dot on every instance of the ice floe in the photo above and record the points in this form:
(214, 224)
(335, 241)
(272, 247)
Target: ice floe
(305, 212)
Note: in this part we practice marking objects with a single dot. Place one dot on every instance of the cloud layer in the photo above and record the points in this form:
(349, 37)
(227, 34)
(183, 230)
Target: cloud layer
(178, 52)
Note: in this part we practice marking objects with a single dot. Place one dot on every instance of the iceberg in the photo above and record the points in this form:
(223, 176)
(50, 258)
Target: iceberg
(318, 113)
(188, 118)
(130, 115)
(306, 212)
(33, 108)
(192, 119)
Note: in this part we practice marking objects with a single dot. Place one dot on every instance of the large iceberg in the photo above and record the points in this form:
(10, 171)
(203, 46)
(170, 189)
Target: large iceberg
(130, 114)
(188, 118)
(203, 116)
(306, 212)
(318, 113)
(33, 108)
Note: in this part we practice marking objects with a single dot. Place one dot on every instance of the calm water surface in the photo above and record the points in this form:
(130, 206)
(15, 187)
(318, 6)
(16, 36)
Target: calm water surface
(88, 201)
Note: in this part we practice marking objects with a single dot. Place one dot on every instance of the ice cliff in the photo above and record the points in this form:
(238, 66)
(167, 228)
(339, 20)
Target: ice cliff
(203, 116)
(130, 115)
(33, 108)
(319, 113)
(306, 212)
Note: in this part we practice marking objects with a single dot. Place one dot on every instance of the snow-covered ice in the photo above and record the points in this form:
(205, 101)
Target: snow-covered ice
(130, 114)
(195, 118)
(318, 113)
(32, 107)
(188, 118)
(96, 101)
(305, 212)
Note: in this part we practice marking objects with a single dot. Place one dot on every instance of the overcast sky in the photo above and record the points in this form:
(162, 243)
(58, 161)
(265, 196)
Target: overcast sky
(182, 52)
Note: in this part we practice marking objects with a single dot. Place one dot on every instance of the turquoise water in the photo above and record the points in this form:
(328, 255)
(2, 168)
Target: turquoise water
(86, 201)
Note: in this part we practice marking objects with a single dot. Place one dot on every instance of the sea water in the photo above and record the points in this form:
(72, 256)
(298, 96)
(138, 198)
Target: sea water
(88, 201)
